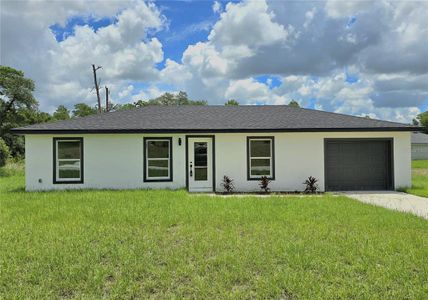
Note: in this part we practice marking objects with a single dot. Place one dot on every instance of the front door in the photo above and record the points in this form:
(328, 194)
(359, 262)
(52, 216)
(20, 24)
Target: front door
(200, 164)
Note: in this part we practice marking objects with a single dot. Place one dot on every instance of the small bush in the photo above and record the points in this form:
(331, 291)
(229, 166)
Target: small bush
(264, 184)
(227, 184)
(4, 153)
(311, 185)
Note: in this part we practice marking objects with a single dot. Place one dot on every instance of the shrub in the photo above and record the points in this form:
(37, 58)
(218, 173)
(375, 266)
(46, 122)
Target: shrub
(264, 184)
(311, 185)
(227, 184)
(4, 153)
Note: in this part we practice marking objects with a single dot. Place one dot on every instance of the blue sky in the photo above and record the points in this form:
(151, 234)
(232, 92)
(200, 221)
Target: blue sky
(347, 57)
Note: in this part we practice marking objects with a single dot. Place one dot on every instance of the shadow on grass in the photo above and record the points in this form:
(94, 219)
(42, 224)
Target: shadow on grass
(17, 190)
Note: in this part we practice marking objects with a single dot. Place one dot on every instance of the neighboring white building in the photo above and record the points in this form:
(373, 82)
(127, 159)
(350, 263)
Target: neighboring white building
(419, 146)
(193, 147)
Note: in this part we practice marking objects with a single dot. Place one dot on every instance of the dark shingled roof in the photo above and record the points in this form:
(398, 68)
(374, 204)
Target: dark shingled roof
(419, 138)
(215, 119)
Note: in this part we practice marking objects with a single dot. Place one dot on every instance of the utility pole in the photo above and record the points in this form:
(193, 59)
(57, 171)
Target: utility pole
(97, 89)
(107, 105)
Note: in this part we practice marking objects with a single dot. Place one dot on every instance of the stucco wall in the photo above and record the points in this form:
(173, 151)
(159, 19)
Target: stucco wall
(116, 161)
(110, 161)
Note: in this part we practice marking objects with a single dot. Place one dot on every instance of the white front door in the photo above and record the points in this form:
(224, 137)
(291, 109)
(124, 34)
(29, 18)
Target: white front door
(200, 164)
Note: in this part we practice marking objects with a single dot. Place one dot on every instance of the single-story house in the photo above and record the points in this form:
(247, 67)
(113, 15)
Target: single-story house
(193, 147)
(419, 145)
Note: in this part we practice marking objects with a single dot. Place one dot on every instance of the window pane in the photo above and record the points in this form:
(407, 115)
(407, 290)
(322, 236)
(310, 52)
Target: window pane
(260, 148)
(69, 150)
(200, 154)
(260, 167)
(158, 168)
(157, 149)
(69, 169)
(201, 174)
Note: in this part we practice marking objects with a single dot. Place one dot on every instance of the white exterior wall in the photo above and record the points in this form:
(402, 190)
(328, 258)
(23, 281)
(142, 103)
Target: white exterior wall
(116, 160)
(110, 161)
(298, 156)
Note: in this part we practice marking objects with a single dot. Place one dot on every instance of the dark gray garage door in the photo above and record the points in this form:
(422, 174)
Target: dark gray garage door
(352, 164)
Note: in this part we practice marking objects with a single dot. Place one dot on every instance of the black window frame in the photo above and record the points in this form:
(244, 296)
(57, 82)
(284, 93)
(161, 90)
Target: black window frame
(145, 165)
(54, 174)
(272, 140)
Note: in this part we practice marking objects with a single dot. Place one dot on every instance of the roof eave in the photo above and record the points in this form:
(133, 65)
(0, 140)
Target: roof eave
(23, 131)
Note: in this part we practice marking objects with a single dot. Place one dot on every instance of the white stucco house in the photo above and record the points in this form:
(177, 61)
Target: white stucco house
(419, 145)
(193, 147)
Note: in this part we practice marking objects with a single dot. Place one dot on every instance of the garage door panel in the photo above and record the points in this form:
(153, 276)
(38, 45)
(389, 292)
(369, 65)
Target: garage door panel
(358, 165)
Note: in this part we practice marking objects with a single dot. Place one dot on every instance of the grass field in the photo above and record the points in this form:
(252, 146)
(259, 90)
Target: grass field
(165, 244)
(419, 178)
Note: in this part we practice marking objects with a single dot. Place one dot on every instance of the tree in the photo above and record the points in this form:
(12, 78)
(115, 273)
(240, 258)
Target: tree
(18, 107)
(16, 92)
(170, 99)
(83, 110)
(293, 103)
(231, 102)
(61, 113)
(4, 153)
(422, 119)
(125, 106)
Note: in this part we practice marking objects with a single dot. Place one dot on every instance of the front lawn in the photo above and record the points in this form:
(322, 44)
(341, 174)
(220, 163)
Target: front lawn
(166, 244)
(419, 178)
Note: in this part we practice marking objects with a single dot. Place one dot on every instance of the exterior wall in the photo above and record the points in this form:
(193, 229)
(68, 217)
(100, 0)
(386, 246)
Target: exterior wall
(113, 161)
(116, 160)
(419, 151)
(298, 156)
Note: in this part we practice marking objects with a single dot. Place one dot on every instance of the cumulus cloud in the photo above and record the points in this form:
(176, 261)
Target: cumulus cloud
(312, 47)
(216, 7)
(248, 23)
(62, 70)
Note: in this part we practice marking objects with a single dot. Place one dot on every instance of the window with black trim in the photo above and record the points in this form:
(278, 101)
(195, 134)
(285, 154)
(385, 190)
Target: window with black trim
(158, 159)
(260, 157)
(68, 160)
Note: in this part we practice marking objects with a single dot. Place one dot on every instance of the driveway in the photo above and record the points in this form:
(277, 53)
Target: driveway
(394, 200)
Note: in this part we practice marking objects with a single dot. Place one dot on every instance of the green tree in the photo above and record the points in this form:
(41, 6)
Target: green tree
(83, 110)
(61, 113)
(231, 102)
(170, 99)
(293, 103)
(4, 152)
(18, 107)
(422, 119)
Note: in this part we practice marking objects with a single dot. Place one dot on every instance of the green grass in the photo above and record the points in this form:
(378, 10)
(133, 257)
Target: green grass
(166, 244)
(419, 178)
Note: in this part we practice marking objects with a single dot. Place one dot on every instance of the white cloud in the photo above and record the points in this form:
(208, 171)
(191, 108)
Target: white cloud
(309, 16)
(311, 46)
(149, 93)
(249, 23)
(216, 7)
(343, 8)
(62, 70)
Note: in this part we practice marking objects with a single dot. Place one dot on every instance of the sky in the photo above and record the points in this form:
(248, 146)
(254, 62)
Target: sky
(365, 58)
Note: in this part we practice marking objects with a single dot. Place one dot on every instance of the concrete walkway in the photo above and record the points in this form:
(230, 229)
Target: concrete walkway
(394, 200)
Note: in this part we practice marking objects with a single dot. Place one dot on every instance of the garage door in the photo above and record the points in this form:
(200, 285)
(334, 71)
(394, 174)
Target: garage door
(363, 164)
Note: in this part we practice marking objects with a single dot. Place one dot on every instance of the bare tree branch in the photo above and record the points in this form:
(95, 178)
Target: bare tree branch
(97, 89)
(107, 104)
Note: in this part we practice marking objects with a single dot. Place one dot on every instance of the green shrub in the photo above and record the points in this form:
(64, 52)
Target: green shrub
(4, 153)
